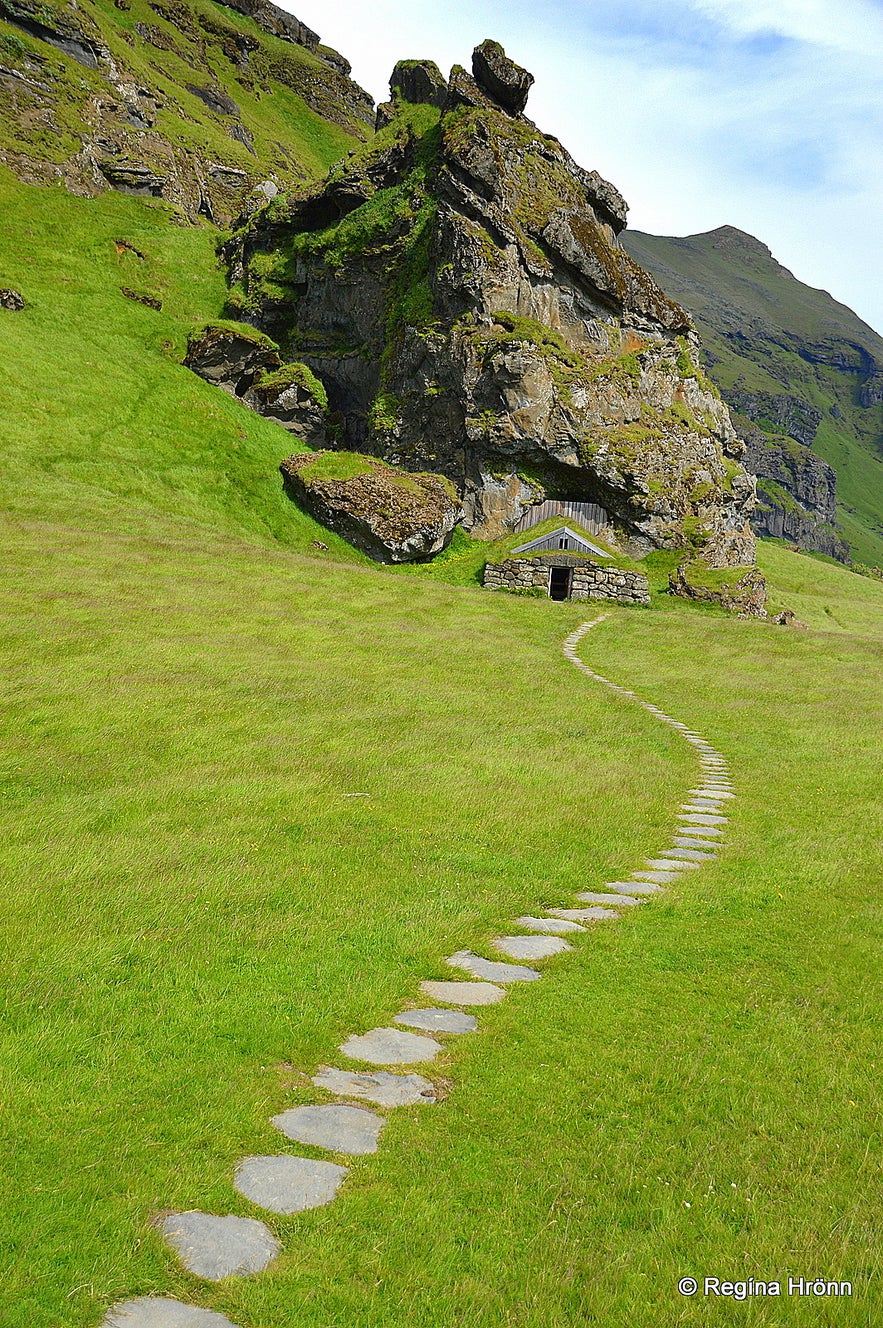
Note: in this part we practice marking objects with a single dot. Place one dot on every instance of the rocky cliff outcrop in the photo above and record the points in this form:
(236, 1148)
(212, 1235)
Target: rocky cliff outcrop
(796, 490)
(460, 291)
(180, 108)
(802, 368)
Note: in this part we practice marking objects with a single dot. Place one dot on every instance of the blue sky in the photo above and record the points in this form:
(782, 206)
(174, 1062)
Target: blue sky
(760, 114)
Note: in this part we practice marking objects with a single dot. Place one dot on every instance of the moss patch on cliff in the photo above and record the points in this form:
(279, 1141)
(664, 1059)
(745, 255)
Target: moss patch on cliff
(293, 375)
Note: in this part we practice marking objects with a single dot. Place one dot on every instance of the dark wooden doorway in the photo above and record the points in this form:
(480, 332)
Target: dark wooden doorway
(559, 582)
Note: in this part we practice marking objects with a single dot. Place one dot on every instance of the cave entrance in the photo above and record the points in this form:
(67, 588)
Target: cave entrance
(559, 582)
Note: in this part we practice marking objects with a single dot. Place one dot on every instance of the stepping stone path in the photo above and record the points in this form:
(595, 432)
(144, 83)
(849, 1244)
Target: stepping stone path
(556, 926)
(487, 968)
(584, 914)
(633, 887)
(161, 1312)
(463, 993)
(531, 947)
(216, 1246)
(439, 1021)
(288, 1184)
(390, 1046)
(387, 1090)
(338, 1128)
(665, 864)
(617, 901)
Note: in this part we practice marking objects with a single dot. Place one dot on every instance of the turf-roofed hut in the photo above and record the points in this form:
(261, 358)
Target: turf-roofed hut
(563, 564)
(459, 288)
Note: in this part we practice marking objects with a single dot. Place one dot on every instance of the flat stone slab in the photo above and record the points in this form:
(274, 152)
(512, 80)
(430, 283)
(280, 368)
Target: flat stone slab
(665, 864)
(441, 1021)
(704, 805)
(633, 887)
(487, 968)
(463, 993)
(584, 914)
(717, 794)
(338, 1128)
(381, 1087)
(162, 1312)
(617, 900)
(554, 926)
(391, 1046)
(702, 818)
(288, 1184)
(712, 810)
(658, 877)
(688, 855)
(215, 1247)
(531, 947)
(680, 841)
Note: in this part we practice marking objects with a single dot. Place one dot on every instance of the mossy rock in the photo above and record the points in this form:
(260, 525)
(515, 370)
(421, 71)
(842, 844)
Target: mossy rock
(393, 515)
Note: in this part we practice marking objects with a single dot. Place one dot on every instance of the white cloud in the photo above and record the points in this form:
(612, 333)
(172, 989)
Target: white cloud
(848, 25)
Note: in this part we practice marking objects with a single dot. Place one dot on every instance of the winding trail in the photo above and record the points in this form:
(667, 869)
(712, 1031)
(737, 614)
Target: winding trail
(216, 1246)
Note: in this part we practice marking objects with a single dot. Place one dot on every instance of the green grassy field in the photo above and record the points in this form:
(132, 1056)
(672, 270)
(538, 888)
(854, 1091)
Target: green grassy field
(197, 910)
(197, 913)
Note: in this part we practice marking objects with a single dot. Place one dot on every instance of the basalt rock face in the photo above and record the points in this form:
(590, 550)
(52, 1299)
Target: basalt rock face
(796, 491)
(460, 291)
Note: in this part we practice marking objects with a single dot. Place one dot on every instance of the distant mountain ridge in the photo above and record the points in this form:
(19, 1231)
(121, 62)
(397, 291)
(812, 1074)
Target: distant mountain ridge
(803, 376)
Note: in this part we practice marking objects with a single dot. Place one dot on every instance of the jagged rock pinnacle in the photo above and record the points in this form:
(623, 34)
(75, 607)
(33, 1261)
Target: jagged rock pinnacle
(501, 78)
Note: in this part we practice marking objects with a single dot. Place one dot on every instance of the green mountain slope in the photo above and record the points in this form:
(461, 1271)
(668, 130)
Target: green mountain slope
(788, 357)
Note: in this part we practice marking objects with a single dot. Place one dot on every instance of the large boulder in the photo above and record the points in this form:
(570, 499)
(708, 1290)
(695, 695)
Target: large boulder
(742, 590)
(231, 356)
(392, 515)
(501, 78)
(294, 398)
(247, 364)
(418, 81)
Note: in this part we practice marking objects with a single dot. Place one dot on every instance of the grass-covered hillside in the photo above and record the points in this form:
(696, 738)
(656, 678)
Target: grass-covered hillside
(103, 424)
(774, 345)
(190, 101)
